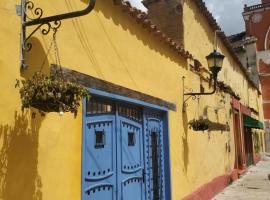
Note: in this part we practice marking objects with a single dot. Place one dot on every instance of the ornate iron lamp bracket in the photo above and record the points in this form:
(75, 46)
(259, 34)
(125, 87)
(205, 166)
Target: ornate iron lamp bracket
(194, 95)
(46, 24)
(215, 61)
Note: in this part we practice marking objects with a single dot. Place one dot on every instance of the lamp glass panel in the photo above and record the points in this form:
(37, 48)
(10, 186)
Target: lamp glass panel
(211, 62)
(219, 62)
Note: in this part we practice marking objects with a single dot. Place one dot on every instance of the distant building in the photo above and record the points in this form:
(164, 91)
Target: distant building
(258, 25)
(246, 50)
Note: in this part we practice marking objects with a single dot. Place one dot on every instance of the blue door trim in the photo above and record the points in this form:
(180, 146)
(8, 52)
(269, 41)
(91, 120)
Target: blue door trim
(126, 99)
(165, 110)
(83, 144)
(168, 188)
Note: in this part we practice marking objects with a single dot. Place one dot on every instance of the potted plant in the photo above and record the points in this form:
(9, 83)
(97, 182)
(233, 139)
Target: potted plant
(51, 94)
(199, 124)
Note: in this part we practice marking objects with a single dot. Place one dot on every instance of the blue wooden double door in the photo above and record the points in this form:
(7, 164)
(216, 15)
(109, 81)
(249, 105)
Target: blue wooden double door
(123, 155)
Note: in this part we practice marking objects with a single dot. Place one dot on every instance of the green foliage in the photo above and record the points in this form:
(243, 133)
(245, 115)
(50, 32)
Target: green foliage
(205, 124)
(51, 94)
(199, 125)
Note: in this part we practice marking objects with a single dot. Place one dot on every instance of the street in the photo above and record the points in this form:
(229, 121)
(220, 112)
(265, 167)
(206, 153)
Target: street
(255, 184)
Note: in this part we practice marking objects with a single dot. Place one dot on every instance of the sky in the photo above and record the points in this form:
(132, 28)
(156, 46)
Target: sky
(228, 13)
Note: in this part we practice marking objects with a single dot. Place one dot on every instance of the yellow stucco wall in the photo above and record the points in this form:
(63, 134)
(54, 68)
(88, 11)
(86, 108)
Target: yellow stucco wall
(41, 157)
(209, 156)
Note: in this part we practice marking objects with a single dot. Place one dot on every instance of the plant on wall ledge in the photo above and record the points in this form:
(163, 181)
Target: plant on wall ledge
(205, 124)
(199, 124)
(51, 94)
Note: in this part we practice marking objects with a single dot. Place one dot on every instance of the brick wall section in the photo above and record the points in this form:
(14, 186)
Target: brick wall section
(264, 68)
(265, 1)
(265, 82)
(259, 29)
(266, 108)
(167, 15)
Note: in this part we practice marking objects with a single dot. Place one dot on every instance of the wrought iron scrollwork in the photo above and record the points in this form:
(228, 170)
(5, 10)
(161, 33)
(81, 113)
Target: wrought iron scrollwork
(45, 27)
(185, 104)
(46, 24)
(37, 12)
(192, 95)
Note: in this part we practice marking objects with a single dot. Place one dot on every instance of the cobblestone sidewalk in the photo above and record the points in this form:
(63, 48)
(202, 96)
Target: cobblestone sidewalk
(254, 185)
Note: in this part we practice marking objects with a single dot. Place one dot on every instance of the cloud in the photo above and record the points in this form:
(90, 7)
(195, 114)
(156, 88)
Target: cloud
(138, 4)
(229, 13)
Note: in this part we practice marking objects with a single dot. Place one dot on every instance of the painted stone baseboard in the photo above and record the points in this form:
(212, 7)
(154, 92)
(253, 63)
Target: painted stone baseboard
(209, 190)
(257, 158)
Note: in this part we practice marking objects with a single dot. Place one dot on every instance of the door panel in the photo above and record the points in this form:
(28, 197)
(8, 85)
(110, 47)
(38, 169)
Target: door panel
(99, 170)
(248, 146)
(154, 157)
(123, 155)
(131, 163)
(132, 188)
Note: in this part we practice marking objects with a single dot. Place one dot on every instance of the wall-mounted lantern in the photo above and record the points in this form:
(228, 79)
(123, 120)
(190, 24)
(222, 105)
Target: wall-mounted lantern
(215, 63)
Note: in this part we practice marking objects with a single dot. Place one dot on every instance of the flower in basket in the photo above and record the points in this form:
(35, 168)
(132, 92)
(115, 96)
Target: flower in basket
(51, 94)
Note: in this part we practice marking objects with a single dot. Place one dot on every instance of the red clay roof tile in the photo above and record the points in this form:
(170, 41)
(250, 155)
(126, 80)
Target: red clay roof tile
(142, 17)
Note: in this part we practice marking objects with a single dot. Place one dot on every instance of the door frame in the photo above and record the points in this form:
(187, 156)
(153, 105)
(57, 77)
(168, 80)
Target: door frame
(166, 136)
(238, 140)
(248, 145)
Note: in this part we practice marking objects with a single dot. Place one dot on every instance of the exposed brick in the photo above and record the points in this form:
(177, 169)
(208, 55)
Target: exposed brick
(265, 1)
(266, 109)
(264, 68)
(168, 16)
(259, 29)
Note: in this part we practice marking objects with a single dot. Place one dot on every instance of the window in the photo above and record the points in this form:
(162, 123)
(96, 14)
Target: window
(131, 139)
(96, 106)
(100, 139)
(131, 112)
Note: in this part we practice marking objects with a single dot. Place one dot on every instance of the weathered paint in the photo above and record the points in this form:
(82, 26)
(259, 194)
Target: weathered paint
(42, 156)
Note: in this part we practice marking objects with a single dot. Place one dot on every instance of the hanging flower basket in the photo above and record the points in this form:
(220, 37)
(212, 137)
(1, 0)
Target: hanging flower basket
(51, 94)
(199, 125)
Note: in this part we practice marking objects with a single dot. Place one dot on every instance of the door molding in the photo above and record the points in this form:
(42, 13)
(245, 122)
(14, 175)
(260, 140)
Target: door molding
(146, 106)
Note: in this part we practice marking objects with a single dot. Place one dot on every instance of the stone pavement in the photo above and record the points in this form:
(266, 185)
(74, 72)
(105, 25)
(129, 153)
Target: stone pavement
(254, 185)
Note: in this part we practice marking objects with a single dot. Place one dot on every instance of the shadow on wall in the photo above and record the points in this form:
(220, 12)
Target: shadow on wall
(19, 178)
(185, 141)
(36, 59)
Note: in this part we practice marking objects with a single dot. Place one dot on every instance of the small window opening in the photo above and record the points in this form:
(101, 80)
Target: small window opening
(100, 139)
(131, 139)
